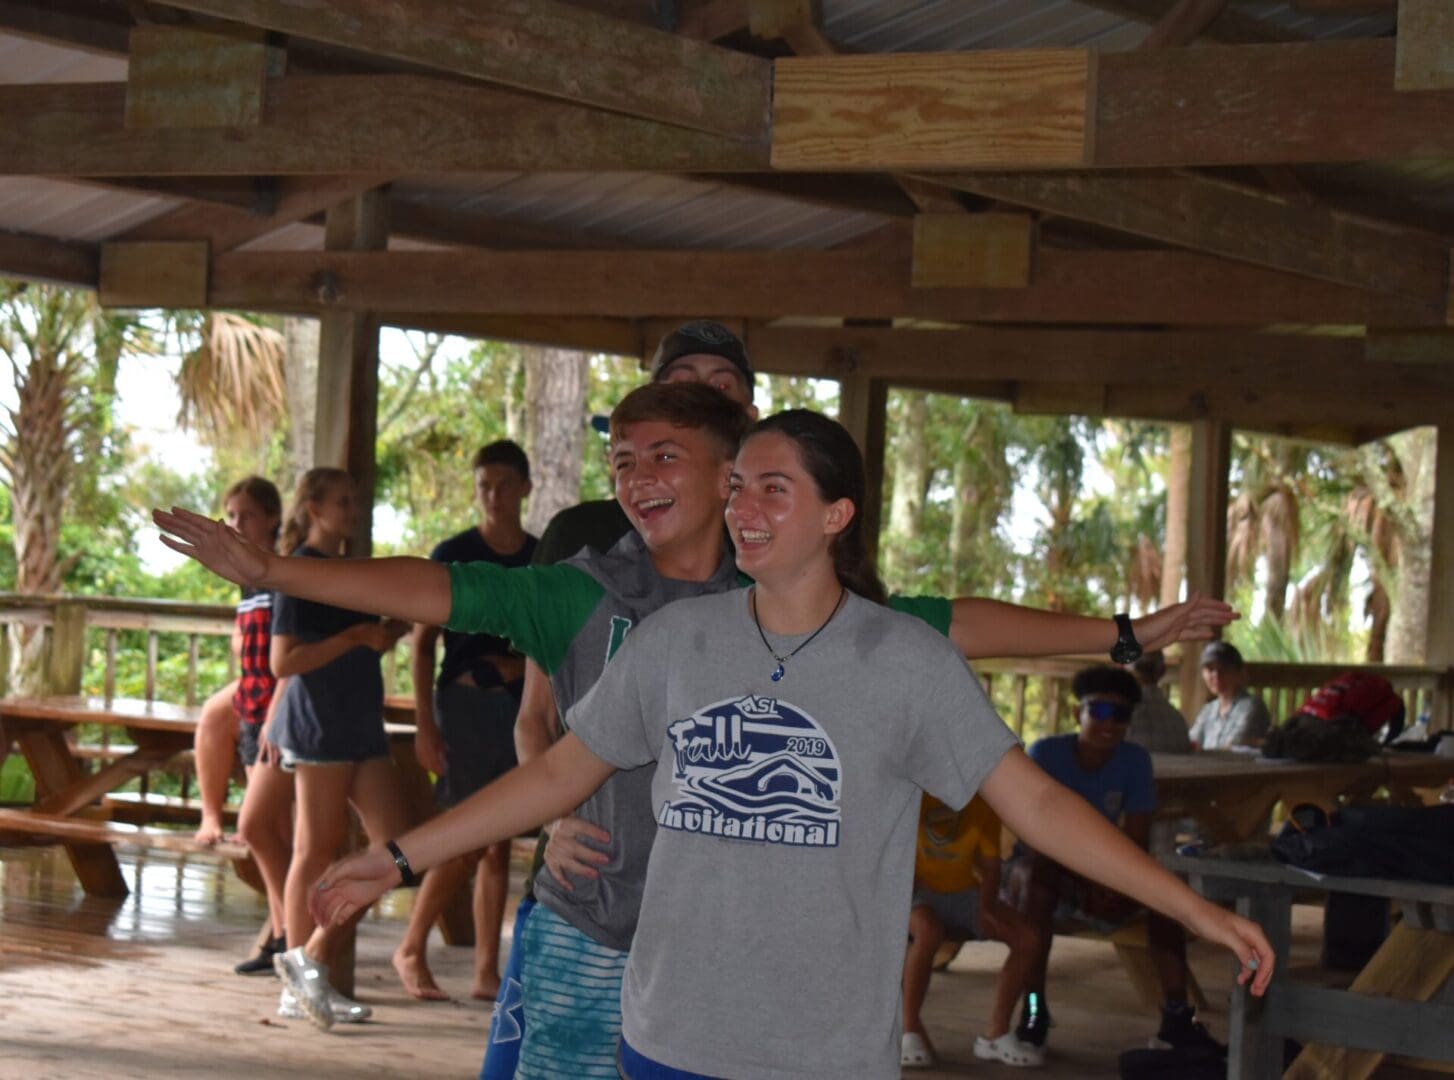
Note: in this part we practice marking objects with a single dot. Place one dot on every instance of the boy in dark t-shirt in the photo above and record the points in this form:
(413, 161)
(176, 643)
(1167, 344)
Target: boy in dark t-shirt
(465, 724)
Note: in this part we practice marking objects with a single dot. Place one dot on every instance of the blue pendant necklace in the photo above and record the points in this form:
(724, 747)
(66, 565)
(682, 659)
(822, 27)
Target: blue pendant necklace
(780, 670)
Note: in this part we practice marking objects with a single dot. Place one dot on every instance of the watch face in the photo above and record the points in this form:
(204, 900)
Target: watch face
(1124, 652)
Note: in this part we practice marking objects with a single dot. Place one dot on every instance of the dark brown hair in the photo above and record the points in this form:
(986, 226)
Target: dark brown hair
(832, 459)
(261, 491)
(685, 405)
(502, 452)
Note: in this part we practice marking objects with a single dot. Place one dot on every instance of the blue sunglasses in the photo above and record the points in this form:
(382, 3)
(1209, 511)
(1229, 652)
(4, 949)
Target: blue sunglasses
(1108, 710)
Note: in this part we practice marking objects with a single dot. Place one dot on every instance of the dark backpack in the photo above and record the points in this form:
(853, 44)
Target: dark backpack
(1369, 699)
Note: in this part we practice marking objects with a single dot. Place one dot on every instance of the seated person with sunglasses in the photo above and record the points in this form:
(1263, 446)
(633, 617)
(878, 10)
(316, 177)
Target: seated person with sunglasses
(1114, 776)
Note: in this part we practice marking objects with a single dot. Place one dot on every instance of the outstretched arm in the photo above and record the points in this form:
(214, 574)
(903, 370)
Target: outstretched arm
(983, 628)
(416, 590)
(1055, 821)
(526, 797)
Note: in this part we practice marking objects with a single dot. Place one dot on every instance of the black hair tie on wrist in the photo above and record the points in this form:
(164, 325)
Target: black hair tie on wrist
(407, 877)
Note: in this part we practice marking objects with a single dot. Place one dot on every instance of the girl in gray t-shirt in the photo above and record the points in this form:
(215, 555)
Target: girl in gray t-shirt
(794, 726)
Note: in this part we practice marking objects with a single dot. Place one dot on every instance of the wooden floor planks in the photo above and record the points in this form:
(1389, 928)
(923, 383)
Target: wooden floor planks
(144, 988)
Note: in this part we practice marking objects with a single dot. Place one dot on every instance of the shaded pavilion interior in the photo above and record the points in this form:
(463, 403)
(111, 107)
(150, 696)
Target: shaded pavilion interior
(1226, 214)
(1232, 215)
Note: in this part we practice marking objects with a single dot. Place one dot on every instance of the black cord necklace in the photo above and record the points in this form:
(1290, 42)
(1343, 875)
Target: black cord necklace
(781, 660)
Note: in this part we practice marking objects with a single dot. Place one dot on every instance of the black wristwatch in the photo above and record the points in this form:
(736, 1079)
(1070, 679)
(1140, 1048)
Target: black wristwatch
(1127, 648)
(407, 877)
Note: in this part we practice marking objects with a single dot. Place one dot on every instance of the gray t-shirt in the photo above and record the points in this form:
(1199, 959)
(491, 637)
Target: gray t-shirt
(1156, 725)
(1244, 722)
(771, 938)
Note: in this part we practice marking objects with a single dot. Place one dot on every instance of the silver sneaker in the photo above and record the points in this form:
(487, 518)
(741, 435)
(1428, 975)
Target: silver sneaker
(345, 1009)
(309, 982)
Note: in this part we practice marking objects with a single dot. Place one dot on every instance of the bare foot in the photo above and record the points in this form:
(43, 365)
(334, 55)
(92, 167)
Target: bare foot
(486, 987)
(209, 832)
(418, 981)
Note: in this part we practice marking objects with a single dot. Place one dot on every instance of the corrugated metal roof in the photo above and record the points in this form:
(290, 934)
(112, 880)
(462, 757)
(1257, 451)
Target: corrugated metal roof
(73, 211)
(24, 60)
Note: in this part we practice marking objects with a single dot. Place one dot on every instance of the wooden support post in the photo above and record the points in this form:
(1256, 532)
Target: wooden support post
(1253, 1051)
(863, 410)
(1424, 57)
(1206, 547)
(66, 656)
(1439, 650)
(348, 363)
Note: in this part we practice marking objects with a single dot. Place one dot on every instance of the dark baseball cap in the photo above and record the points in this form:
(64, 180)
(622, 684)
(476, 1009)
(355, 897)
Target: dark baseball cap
(1221, 653)
(701, 337)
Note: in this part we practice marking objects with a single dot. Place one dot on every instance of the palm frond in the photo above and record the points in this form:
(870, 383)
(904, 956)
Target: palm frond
(231, 385)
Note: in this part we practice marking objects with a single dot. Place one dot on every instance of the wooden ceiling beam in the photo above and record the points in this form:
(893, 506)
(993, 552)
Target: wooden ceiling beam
(225, 228)
(1041, 109)
(1191, 360)
(615, 337)
(1229, 27)
(1099, 288)
(1221, 218)
(349, 124)
(543, 47)
(42, 258)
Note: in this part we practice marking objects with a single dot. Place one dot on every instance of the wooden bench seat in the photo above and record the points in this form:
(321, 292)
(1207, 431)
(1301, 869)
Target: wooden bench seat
(32, 823)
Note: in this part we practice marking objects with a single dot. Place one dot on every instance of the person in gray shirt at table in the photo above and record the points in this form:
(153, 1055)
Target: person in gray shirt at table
(1234, 716)
(1157, 726)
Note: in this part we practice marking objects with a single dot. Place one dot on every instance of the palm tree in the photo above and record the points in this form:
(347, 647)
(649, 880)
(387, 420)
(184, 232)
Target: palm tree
(62, 353)
(1263, 518)
(231, 383)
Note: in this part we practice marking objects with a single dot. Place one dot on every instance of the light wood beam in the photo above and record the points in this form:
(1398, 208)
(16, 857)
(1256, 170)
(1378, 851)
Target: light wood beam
(1222, 218)
(543, 47)
(225, 228)
(1425, 52)
(1161, 287)
(973, 251)
(42, 258)
(1023, 108)
(169, 274)
(349, 124)
(1039, 109)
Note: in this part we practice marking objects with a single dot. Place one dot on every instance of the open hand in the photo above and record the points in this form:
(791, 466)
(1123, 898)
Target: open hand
(217, 547)
(566, 853)
(1194, 619)
(352, 884)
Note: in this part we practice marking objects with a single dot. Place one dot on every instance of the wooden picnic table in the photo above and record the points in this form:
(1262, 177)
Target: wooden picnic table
(66, 792)
(1391, 1007)
(1231, 794)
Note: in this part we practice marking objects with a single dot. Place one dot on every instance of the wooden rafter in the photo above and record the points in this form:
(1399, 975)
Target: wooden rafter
(1238, 222)
(1162, 287)
(372, 124)
(541, 46)
(42, 258)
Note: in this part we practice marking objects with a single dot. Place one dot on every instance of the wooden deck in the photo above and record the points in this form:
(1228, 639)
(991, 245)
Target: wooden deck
(143, 987)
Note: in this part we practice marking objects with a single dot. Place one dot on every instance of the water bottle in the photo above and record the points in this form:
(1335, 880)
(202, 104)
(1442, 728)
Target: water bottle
(1447, 795)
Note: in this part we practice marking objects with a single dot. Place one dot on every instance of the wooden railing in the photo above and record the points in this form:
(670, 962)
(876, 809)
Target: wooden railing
(1032, 695)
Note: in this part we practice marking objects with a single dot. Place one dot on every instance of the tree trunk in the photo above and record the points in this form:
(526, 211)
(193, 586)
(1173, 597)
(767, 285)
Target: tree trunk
(300, 369)
(1409, 620)
(1178, 489)
(38, 480)
(517, 421)
(911, 480)
(555, 395)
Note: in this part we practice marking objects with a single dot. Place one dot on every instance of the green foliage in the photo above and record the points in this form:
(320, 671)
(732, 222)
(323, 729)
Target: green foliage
(17, 786)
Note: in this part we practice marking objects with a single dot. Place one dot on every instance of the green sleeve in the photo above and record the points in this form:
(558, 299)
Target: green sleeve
(539, 608)
(934, 610)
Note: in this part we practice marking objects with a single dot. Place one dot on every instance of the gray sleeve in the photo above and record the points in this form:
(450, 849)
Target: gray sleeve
(958, 737)
(617, 716)
(1253, 722)
(1198, 733)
